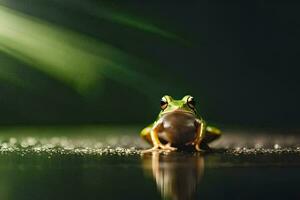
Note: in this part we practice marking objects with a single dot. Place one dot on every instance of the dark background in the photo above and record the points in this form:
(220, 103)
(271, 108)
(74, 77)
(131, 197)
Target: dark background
(239, 60)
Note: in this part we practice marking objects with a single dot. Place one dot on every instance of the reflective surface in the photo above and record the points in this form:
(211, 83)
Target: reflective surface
(101, 163)
(176, 175)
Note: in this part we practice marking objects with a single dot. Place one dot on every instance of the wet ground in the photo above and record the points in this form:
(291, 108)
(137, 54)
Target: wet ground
(106, 163)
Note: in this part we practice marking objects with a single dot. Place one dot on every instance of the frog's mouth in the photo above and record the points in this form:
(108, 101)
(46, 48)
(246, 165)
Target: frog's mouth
(180, 111)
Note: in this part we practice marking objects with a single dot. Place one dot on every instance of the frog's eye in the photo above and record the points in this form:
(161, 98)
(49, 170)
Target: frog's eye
(191, 102)
(163, 103)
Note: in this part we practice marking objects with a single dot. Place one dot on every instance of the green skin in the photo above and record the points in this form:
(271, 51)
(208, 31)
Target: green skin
(177, 115)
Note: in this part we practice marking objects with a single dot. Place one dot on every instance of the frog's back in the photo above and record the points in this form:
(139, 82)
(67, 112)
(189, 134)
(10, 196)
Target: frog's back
(178, 128)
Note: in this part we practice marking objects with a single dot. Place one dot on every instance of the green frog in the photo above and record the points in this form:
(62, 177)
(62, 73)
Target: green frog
(178, 125)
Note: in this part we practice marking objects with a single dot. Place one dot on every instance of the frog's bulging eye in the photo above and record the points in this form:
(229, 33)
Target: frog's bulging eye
(191, 102)
(163, 103)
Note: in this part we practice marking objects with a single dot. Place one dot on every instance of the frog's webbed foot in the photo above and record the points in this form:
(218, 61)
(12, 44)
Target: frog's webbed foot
(168, 147)
(202, 147)
(161, 147)
(197, 147)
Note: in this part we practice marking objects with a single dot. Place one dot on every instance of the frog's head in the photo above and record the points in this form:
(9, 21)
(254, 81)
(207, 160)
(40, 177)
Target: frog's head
(186, 104)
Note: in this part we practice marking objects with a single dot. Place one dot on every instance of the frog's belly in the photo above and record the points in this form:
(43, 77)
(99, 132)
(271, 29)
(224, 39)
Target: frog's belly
(178, 128)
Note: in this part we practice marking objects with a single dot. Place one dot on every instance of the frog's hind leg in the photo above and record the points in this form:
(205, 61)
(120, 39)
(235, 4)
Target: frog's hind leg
(211, 134)
(145, 134)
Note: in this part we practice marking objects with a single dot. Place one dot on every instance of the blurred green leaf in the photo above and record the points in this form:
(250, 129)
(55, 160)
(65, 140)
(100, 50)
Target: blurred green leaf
(73, 58)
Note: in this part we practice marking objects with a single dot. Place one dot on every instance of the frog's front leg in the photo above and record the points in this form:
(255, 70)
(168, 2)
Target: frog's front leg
(155, 140)
(200, 131)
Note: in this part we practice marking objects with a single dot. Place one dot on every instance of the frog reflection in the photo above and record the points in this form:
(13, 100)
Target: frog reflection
(177, 175)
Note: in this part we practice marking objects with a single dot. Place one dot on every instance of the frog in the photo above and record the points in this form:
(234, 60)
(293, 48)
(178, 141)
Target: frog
(178, 126)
